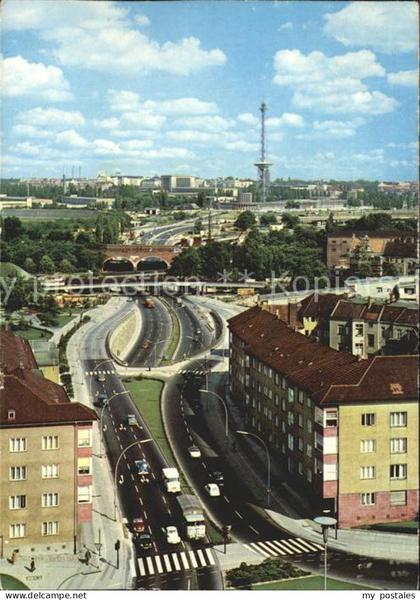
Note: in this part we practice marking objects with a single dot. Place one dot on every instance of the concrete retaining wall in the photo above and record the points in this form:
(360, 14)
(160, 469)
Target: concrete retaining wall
(122, 340)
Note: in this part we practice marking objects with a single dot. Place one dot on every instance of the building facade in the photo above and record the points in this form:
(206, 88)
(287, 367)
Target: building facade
(313, 406)
(46, 465)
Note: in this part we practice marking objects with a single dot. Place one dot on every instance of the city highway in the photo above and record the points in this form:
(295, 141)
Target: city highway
(155, 334)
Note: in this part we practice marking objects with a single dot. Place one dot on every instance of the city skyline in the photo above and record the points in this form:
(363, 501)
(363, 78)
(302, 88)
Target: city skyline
(175, 87)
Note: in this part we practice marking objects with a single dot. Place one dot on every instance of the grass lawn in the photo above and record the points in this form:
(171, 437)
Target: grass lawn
(313, 582)
(175, 333)
(7, 582)
(64, 318)
(146, 396)
(400, 527)
(10, 270)
(33, 334)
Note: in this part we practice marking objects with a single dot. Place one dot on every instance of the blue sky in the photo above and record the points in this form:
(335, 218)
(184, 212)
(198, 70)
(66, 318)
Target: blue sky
(155, 87)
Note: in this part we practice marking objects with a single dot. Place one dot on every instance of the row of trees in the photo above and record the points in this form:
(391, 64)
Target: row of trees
(383, 201)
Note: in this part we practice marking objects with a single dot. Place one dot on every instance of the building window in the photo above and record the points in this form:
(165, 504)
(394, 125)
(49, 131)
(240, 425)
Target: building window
(367, 445)
(309, 475)
(17, 444)
(17, 473)
(398, 471)
(17, 530)
(290, 418)
(84, 494)
(330, 472)
(319, 441)
(49, 499)
(49, 471)
(309, 425)
(16, 502)
(50, 442)
(398, 419)
(300, 468)
(290, 395)
(359, 329)
(309, 449)
(371, 340)
(300, 420)
(398, 445)
(50, 528)
(398, 498)
(331, 418)
(301, 397)
(367, 499)
(84, 438)
(367, 472)
(11, 415)
(368, 419)
(290, 441)
(300, 444)
(283, 404)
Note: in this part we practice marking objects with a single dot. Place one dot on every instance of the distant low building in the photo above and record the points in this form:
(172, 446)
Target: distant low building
(85, 201)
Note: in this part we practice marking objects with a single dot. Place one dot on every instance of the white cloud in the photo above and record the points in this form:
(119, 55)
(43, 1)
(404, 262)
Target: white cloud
(286, 119)
(332, 84)
(143, 119)
(23, 78)
(123, 100)
(285, 26)
(30, 131)
(190, 135)
(108, 123)
(51, 117)
(248, 119)
(28, 148)
(385, 26)
(70, 138)
(241, 146)
(406, 78)
(400, 163)
(106, 147)
(137, 144)
(333, 129)
(206, 123)
(142, 20)
(181, 106)
(376, 155)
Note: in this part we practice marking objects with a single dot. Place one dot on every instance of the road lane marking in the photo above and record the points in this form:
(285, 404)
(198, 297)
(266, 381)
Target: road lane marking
(176, 562)
(145, 514)
(286, 547)
(150, 565)
(201, 558)
(254, 530)
(167, 563)
(164, 499)
(158, 564)
(267, 548)
(137, 489)
(274, 544)
(210, 556)
(141, 567)
(260, 550)
(249, 548)
(310, 545)
(297, 546)
(227, 499)
(192, 559)
(184, 560)
(239, 515)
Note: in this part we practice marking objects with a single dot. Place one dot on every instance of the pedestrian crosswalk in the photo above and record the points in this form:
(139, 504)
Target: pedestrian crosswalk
(285, 548)
(189, 372)
(172, 562)
(98, 372)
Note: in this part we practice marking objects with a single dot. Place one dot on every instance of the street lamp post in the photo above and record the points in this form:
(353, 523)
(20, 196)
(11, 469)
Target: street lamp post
(224, 406)
(102, 415)
(268, 462)
(326, 523)
(137, 443)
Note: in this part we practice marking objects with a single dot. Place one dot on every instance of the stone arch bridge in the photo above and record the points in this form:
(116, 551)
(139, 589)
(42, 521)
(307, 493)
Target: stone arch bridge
(134, 258)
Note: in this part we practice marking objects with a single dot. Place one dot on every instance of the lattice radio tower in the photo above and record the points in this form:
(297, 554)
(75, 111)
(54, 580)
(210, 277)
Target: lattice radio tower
(263, 165)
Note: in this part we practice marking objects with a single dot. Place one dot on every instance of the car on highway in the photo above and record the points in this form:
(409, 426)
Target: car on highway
(132, 420)
(144, 541)
(212, 489)
(194, 452)
(100, 400)
(171, 534)
(100, 377)
(217, 477)
(138, 525)
(143, 469)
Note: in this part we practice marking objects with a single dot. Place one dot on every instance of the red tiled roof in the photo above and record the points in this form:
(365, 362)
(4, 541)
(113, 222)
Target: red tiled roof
(359, 234)
(15, 352)
(38, 401)
(318, 369)
(319, 305)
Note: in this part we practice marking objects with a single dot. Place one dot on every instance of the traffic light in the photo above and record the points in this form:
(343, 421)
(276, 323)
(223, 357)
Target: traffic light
(117, 545)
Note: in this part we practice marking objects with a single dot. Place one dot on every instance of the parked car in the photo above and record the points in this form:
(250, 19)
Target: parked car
(194, 451)
(132, 420)
(212, 489)
(138, 525)
(100, 400)
(143, 469)
(172, 535)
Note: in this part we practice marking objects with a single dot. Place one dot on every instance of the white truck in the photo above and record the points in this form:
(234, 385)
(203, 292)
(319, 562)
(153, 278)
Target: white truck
(193, 517)
(170, 477)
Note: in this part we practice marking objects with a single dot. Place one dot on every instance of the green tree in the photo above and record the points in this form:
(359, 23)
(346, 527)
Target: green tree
(12, 228)
(330, 225)
(268, 219)
(46, 264)
(187, 263)
(245, 220)
(66, 266)
(29, 265)
(290, 221)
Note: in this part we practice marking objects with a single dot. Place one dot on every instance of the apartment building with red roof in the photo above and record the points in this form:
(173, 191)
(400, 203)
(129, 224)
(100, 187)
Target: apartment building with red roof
(344, 428)
(46, 457)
